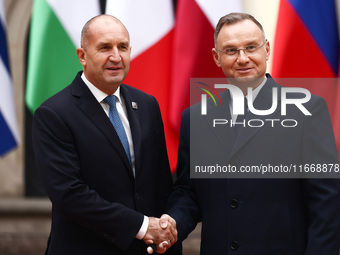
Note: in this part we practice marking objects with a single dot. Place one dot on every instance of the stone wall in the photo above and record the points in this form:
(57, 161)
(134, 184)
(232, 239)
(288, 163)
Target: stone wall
(24, 226)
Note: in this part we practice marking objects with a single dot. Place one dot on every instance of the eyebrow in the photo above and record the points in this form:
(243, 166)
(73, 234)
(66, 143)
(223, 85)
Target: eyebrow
(124, 43)
(103, 44)
(250, 42)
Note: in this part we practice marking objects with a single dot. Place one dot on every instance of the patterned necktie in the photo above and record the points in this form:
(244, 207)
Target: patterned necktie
(118, 125)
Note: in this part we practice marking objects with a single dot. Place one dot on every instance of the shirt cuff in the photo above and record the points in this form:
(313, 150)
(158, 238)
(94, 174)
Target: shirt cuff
(142, 231)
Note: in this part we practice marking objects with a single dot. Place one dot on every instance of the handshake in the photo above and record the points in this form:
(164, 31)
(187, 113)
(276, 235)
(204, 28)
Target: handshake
(161, 234)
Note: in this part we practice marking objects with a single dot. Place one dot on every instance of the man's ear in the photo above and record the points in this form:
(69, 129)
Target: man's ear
(215, 56)
(81, 56)
(267, 47)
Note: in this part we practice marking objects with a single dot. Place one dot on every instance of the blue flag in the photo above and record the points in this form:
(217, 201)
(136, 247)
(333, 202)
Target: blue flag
(9, 135)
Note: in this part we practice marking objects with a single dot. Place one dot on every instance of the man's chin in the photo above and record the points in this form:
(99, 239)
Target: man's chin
(245, 81)
(116, 80)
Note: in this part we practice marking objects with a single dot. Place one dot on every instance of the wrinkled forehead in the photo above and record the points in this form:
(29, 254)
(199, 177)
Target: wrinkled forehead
(100, 26)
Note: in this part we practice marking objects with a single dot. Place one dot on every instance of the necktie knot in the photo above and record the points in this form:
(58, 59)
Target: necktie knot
(240, 120)
(242, 116)
(111, 100)
(245, 105)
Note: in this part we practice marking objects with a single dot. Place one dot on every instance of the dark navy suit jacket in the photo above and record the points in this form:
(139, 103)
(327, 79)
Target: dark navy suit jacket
(98, 205)
(260, 216)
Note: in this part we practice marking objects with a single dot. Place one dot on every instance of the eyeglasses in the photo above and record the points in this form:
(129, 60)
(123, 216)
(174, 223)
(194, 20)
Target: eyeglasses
(248, 50)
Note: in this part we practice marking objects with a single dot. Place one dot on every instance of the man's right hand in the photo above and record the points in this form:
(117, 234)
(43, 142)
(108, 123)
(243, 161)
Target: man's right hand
(162, 232)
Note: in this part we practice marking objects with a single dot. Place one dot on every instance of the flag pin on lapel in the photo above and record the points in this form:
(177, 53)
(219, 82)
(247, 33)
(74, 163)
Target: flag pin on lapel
(134, 105)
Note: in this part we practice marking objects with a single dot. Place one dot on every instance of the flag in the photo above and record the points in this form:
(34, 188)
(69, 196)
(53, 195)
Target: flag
(150, 24)
(9, 134)
(307, 39)
(192, 52)
(307, 46)
(54, 36)
(166, 53)
(192, 56)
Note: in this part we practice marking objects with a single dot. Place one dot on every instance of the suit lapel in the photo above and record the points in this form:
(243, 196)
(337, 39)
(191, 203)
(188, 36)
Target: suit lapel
(262, 102)
(223, 133)
(88, 104)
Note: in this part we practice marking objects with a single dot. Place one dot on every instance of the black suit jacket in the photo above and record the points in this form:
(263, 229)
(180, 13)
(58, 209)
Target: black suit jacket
(258, 216)
(97, 204)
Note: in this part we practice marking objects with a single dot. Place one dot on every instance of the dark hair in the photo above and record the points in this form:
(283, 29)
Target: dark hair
(233, 18)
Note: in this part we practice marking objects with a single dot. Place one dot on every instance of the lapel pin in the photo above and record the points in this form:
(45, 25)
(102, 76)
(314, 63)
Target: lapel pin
(134, 105)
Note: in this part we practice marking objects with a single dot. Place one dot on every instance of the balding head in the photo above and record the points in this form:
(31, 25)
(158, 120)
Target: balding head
(104, 19)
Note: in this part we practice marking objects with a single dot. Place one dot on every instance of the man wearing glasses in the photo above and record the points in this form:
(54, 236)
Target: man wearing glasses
(248, 214)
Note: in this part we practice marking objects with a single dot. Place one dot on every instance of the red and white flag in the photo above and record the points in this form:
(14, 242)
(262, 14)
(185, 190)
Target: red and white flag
(165, 54)
(150, 24)
(193, 42)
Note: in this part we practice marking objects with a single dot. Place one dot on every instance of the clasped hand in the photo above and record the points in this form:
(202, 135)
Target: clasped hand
(161, 232)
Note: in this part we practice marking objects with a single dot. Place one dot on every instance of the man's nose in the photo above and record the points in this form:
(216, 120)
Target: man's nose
(242, 56)
(115, 56)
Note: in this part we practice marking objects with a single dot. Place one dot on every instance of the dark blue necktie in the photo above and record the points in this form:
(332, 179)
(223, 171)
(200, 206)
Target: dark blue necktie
(118, 125)
(241, 118)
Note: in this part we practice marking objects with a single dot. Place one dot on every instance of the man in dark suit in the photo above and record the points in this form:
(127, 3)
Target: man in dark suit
(107, 183)
(244, 212)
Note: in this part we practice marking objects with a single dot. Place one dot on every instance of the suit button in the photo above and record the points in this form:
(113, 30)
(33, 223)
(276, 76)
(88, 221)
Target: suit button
(234, 245)
(136, 196)
(234, 203)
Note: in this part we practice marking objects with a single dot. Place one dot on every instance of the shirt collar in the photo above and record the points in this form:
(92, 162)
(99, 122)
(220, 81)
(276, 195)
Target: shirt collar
(98, 94)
